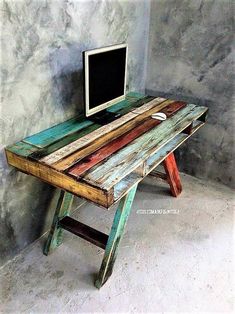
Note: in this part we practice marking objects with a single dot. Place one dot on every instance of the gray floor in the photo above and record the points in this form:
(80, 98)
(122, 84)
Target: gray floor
(178, 260)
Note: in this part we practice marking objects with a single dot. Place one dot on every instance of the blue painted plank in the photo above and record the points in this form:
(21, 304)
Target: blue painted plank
(125, 184)
(119, 165)
(158, 157)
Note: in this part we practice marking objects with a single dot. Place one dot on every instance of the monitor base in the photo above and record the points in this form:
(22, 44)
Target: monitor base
(104, 117)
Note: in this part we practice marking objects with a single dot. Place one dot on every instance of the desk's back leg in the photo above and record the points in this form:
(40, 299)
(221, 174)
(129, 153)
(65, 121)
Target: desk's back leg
(115, 236)
(63, 208)
(172, 173)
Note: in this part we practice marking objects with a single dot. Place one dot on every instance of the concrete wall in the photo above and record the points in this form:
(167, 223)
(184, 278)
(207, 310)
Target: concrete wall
(190, 57)
(42, 42)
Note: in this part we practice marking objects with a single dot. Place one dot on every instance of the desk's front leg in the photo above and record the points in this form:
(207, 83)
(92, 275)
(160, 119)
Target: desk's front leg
(115, 236)
(63, 208)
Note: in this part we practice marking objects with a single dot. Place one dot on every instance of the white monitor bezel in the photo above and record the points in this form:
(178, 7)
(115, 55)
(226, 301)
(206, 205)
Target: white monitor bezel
(88, 111)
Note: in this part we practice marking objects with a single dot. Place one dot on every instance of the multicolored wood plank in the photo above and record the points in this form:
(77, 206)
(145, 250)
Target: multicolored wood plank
(136, 153)
(102, 163)
(121, 141)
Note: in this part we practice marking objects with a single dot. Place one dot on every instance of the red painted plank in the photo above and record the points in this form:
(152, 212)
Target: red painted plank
(118, 143)
(172, 173)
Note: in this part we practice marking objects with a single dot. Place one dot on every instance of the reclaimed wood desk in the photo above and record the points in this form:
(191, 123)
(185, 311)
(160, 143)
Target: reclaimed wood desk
(104, 164)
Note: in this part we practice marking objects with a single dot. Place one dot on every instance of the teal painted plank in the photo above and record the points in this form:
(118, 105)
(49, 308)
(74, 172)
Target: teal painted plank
(119, 165)
(116, 233)
(120, 105)
(22, 149)
(49, 136)
(135, 95)
(40, 153)
(128, 101)
(135, 104)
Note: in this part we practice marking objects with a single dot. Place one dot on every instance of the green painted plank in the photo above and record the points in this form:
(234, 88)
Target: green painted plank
(56, 233)
(53, 134)
(22, 149)
(40, 153)
(119, 165)
(126, 105)
(130, 99)
(135, 95)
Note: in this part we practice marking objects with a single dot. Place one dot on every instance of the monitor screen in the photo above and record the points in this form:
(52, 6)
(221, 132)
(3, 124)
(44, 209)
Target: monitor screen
(105, 77)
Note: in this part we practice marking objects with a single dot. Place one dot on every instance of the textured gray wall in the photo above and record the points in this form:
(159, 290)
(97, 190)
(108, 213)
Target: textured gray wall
(42, 42)
(190, 57)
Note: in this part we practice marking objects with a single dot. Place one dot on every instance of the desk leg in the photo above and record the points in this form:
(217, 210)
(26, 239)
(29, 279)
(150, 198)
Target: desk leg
(63, 208)
(115, 236)
(172, 173)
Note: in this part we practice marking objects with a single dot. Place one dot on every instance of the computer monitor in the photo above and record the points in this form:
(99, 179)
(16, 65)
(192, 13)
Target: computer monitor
(104, 77)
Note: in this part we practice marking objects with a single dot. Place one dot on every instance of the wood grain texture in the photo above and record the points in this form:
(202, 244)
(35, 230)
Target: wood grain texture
(22, 149)
(60, 180)
(158, 174)
(67, 139)
(129, 103)
(85, 232)
(107, 150)
(93, 159)
(172, 173)
(70, 154)
(153, 161)
(125, 185)
(51, 135)
(61, 130)
(116, 167)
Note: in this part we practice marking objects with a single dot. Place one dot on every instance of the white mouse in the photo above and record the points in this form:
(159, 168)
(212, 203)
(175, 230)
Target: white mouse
(159, 116)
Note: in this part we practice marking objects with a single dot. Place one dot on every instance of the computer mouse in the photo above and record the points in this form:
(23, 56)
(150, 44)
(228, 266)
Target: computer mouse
(159, 116)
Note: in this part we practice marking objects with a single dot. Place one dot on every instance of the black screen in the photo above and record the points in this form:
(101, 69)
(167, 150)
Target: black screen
(106, 76)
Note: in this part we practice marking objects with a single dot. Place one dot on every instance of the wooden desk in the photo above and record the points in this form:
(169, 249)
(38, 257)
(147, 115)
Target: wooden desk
(104, 164)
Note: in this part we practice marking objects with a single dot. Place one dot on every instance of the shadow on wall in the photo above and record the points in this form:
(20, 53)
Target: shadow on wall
(66, 67)
(177, 95)
(25, 196)
(26, 206)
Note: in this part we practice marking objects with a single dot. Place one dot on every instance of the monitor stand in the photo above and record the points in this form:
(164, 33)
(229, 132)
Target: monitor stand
(104, 117)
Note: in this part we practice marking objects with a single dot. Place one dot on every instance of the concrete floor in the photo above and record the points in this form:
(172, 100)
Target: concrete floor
(176, 261)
